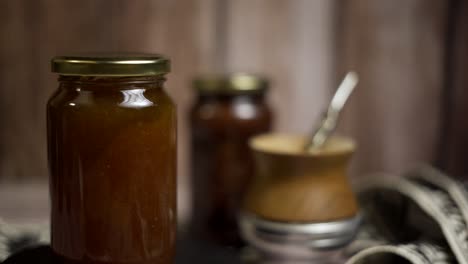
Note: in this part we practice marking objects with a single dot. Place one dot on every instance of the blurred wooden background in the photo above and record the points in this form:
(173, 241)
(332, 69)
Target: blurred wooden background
(410, 54)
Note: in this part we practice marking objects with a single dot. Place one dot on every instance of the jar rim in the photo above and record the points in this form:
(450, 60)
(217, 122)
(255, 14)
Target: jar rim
(292, 145)
(111, 64)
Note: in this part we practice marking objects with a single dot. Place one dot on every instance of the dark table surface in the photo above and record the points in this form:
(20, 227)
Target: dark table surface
(188, 251)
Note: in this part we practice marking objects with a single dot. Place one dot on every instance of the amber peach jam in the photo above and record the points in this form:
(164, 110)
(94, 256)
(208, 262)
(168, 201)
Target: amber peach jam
(112, 160)
(229, 109)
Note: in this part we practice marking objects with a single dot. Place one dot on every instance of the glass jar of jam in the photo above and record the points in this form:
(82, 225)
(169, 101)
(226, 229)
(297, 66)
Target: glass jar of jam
(228, 111)
(112, 159)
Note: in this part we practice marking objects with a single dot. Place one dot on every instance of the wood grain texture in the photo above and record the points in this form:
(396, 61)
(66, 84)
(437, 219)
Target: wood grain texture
(454, 148)
(290, 42)
(398, 49)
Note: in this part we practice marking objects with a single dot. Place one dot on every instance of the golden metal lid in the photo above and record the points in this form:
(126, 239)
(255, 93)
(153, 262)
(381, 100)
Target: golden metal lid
(120, 64)
(237, 83)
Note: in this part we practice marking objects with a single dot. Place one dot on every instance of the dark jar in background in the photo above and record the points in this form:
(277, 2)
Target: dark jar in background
(112, 160)
(228, 111)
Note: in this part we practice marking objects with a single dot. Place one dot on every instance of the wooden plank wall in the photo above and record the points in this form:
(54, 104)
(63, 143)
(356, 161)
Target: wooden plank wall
(398, 47)
(454, 149)
(292, 43)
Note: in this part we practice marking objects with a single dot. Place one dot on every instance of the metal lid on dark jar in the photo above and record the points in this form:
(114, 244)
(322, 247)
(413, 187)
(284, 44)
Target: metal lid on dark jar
(236, 83)
(109, 64)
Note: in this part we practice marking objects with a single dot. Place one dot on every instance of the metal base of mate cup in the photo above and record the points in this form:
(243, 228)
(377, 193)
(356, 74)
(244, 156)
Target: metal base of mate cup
(291, 241)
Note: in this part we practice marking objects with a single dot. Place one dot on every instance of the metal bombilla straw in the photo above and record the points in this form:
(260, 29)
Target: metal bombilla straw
(328, 124)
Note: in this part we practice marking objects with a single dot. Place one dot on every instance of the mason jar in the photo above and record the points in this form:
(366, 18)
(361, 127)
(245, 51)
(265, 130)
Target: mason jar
(112, 159)
(229, 109)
